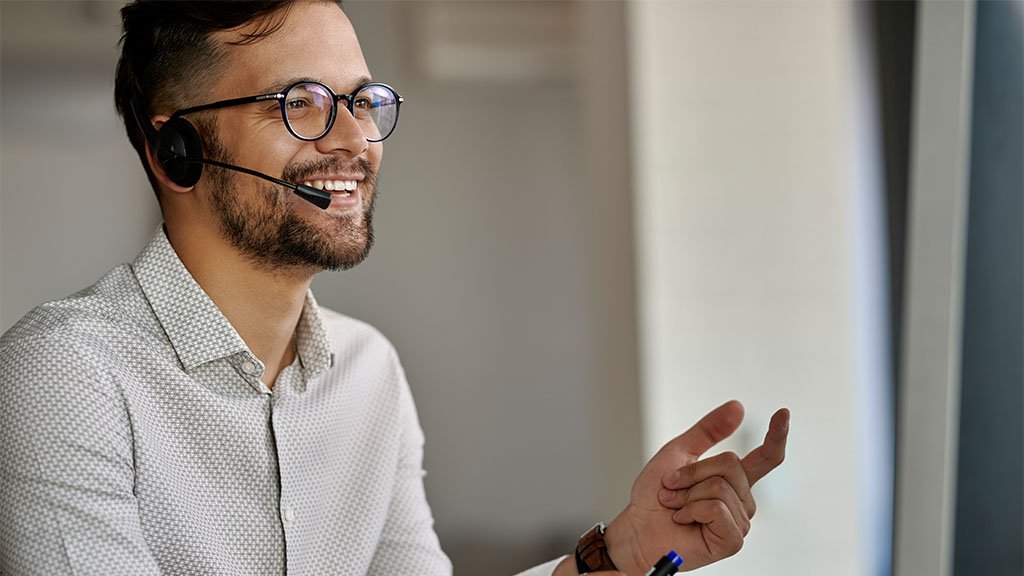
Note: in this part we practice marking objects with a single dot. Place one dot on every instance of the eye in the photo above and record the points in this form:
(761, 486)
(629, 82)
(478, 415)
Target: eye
(297, 104)
(363, 103)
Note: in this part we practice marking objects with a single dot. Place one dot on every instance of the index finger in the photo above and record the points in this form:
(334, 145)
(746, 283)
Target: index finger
(772, 452)
(714, 427)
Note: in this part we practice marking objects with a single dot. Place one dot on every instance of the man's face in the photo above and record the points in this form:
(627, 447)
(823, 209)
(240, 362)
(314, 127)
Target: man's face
(270, 225)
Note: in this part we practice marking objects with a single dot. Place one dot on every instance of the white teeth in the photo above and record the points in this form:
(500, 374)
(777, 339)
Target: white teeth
(333, 185)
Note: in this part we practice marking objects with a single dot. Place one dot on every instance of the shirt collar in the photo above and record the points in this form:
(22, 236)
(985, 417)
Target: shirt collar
(311, 340)
(198, 331)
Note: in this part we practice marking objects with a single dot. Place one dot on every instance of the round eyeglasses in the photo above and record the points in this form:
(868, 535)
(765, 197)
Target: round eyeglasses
(309, 108)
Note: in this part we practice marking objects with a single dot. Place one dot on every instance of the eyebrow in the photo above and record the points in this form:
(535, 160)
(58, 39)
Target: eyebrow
(279, 85)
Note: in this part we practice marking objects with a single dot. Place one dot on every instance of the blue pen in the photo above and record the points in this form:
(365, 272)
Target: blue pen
(667, 566)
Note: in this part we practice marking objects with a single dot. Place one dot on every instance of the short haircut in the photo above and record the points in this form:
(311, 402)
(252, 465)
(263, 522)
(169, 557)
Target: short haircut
(167, 57)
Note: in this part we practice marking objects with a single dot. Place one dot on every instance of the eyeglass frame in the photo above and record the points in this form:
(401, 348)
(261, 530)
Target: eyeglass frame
(281, 95)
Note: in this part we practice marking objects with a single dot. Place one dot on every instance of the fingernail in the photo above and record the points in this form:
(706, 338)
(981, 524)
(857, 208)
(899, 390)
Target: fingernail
(785, 422)
(666, 495)
(676, 476)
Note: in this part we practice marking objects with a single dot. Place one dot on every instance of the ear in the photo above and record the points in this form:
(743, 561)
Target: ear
(158, 170)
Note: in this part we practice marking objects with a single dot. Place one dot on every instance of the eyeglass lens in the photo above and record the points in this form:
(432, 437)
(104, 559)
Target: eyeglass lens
(308, 108)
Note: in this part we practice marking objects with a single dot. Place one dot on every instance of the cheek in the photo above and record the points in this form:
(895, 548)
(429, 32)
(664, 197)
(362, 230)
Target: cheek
(374, 153)
(267, 156)
(258, 145)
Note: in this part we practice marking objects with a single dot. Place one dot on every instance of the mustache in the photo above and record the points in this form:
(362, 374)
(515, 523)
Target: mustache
(301, 171)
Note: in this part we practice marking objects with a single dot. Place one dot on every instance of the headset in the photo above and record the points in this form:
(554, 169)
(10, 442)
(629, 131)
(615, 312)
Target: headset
(178, 149)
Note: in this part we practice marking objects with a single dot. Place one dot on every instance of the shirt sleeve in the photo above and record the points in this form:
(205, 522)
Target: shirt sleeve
(408, 543)
(67, 504)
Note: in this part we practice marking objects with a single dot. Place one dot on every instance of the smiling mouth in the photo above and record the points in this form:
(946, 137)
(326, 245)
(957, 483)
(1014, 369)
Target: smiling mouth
(345, 187)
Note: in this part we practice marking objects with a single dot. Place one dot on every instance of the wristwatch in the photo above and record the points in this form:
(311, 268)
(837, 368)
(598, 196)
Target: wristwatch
(592, 551)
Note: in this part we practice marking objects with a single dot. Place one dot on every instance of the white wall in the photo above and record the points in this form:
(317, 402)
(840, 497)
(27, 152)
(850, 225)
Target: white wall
(760, 261)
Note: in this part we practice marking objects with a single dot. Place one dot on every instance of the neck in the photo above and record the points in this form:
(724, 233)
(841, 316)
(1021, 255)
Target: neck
(263, 306)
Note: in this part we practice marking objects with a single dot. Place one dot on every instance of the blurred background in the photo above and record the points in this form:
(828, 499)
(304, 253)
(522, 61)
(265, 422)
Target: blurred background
(600, 219)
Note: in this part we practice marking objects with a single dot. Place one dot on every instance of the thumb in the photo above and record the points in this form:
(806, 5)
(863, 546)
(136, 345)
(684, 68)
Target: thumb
(714, 427)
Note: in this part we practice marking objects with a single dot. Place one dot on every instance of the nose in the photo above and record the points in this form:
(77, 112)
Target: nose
(345, 136)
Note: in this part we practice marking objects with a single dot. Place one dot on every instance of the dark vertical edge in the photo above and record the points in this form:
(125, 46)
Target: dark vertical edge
(989, 513)
(894, 28)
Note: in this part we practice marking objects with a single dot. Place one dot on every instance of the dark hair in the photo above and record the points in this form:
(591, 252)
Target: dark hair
(167, 54)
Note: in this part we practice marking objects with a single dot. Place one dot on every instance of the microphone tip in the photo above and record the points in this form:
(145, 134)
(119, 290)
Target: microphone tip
(319, 198)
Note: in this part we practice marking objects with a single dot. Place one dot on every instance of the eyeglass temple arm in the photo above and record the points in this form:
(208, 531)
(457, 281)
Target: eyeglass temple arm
(228, 103)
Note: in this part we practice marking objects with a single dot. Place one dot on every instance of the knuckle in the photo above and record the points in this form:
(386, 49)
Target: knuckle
(680, 516)
(682, 496)
(687, 475)
(718, 484)
(735, 545)
(722, 510)
(731, 459)
(751, 508)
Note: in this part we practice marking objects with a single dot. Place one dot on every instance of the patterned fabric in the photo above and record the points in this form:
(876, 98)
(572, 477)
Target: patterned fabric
(138, 439)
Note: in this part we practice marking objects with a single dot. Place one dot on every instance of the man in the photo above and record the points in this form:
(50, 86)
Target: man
(196, 412)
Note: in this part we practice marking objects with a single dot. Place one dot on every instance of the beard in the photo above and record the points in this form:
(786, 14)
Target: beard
(263, 225)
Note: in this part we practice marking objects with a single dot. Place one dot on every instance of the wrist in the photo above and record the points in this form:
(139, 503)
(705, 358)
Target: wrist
(624, 546)
(567, 567)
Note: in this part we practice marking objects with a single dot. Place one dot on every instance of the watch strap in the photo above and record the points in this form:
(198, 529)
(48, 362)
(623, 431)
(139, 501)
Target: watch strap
(592, 551)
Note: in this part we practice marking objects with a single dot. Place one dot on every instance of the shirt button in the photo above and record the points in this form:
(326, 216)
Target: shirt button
(288, 514)
(248, 367)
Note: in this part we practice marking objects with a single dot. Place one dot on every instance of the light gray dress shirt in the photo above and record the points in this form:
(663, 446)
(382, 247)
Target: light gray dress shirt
(137, 438)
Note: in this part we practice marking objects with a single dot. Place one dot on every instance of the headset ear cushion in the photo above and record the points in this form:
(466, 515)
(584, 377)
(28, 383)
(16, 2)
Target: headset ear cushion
(176, 141)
